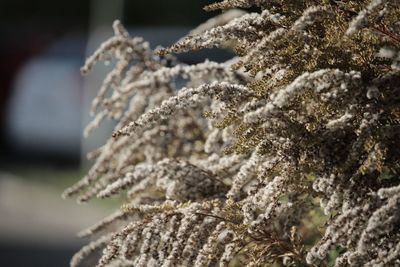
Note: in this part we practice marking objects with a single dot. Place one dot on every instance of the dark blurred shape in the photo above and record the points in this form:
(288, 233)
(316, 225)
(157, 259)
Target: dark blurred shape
(163, 13)
(44, 109)
(35, 255)
(75, 13)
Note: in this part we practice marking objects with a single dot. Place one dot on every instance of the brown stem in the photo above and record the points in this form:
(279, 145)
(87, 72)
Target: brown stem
(389, 34)
(215, 216)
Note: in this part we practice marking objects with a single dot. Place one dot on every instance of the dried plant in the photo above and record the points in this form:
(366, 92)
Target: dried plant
(286, 155)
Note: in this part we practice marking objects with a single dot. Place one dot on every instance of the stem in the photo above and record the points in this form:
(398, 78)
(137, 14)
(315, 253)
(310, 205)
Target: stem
(389, 34)
(215, 216)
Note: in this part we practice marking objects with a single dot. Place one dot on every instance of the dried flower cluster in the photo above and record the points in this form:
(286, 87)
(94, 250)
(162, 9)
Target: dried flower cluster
(286, 155)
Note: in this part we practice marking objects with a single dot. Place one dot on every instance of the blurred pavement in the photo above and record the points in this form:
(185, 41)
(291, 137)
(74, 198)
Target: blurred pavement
(37, 227)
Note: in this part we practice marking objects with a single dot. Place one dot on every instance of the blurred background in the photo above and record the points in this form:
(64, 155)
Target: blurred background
(44, 104)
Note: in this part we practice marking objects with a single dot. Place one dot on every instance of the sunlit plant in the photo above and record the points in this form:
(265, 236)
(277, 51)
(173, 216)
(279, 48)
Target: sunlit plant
(286, 155)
